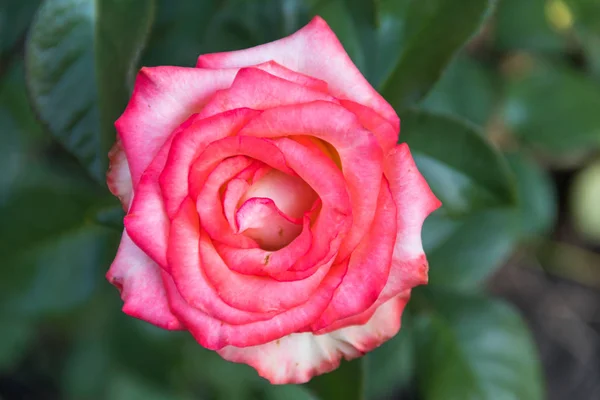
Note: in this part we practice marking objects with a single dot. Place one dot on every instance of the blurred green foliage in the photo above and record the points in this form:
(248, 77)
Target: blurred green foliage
(491, 97)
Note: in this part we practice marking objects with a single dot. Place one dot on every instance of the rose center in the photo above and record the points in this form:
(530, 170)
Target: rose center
(272, 209)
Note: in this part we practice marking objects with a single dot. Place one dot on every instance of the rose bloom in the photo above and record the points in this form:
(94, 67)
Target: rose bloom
(270, 211)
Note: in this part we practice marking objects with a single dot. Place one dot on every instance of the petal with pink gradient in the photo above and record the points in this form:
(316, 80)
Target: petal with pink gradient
(146, 222)
(285, 73)
(118, 177)
(259, 90)
(138, 279)
(383, 130)
(414, 202)
(260, 219)
(163, 97)
(296, 358)
(314, 50)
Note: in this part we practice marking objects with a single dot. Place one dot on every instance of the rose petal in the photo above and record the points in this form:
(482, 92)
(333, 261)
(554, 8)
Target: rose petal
(256, 148)
(359, 152)
(261, 220)
(280, 71)
(138, 279)
(298, 357)
(147, 223)
(118, 177)
(163, 97)
(261, 262)
(334, 218)
(259, 90)
(313, 50)
(414, 202)
(189, 144)
(214, 334)
(210, 208)
(188, 276)
(384, 131)
(369, 265)
(235, 190)
(291, 194)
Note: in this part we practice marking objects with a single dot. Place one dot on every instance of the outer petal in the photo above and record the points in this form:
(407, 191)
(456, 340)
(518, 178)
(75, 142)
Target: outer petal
(414, 201)
(147, 223)
(118, 177)
(359, 152)
(163, 97)
(138, 279)
(313, 50)
(259, 90)
(298, 357)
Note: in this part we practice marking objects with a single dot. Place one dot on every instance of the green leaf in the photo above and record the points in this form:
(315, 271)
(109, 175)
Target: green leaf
(126, 386)
(80, 59)
(287, 392)
(434, 31)
(556, 123)
(524, 25)
(392, 365)
(344, 383)
(474, 347)
(15, 337)
(463, 252)
(52, 253)
(476, 227)
(466, 89)
(15, 17)
(538, 203)
(462, 168)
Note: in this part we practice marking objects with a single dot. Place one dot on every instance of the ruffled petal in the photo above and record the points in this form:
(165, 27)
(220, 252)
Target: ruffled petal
(259, 90)
(118, 177)
(138, 279)
(298, 357)
(414, 202)
(163, 97)
(315, 51)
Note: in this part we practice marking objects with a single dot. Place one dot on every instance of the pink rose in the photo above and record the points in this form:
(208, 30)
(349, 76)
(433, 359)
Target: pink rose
(270, 211)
